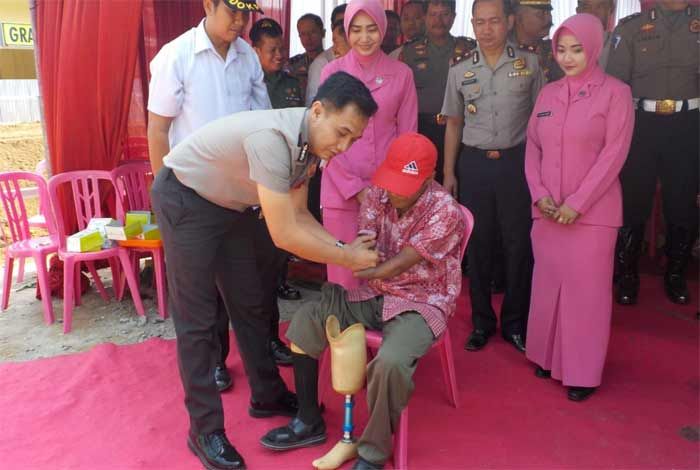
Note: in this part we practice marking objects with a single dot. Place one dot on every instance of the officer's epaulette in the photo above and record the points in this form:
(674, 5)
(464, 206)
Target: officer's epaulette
(465, 42)
(628, 18)
(527, 48)
(461, 58)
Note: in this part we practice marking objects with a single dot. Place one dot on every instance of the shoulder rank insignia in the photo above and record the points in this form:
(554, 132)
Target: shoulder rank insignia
(628, 18)
(652, 14)
(511, 52)
(461, 58)
(527, 48)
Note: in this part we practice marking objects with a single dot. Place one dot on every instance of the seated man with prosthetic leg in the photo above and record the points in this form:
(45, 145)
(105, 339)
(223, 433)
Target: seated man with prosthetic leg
(409, 297)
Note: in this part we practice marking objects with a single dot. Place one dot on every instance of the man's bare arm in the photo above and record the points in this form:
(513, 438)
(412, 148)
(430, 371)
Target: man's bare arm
(158, 144)
(290, 235)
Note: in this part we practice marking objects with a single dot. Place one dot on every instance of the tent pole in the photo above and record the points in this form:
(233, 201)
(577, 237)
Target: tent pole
(47, 154)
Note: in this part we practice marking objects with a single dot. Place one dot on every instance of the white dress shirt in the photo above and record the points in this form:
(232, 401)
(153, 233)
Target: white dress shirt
(192, 83)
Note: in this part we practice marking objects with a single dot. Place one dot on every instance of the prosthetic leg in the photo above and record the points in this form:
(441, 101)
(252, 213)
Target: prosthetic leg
(348, 367)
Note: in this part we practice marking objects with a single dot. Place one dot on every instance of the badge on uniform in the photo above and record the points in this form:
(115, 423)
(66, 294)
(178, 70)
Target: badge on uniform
(421, 52)
(520, 73)
(304, 152)
(647, 27)
(695, 26)
(544, 114)
(519, 64)
(471, 108)
(616, 41)
(469, 74)
(422, 65)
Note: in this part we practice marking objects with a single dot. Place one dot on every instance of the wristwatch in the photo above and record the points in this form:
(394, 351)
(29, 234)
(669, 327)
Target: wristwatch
(339, 244)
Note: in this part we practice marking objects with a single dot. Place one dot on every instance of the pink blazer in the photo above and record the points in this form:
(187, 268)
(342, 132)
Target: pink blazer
(576, 147)
(392, 87)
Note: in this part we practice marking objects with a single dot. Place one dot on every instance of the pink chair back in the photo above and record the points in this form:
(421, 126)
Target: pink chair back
(469, 221)
(133, 181)
(14, 206)
(87, 188)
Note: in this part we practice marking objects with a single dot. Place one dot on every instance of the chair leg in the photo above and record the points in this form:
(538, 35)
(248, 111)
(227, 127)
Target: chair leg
(115, 268)
(77, 280)
(20, 270)
(69, 279)
(401, 442)
(43, 278)
(7, 281)
(98, 282)
(161, 283)
(448, 369)
(132, 282)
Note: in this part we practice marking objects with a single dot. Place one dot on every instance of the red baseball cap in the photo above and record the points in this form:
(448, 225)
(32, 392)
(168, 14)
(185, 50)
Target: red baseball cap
(410, 161)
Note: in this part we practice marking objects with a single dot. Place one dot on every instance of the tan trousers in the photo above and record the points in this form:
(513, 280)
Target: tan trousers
(407, 338)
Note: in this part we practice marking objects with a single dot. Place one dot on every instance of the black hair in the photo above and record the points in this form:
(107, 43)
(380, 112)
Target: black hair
(507, 7)
(451, 4)
(315, 18)
(340, 9)
(339, 24)
(392, 14)
(422, 4)
(342, 89)
(264, 27)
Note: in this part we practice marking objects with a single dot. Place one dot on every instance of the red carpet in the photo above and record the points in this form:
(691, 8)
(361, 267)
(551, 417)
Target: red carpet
(121, 407)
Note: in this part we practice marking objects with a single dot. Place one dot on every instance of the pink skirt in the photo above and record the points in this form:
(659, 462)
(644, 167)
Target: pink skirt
(571, 305)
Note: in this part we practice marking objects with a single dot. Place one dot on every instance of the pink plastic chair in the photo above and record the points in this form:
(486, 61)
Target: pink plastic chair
(87, 200)
(443, 343)
(36, 221)
(23, 245)
(133, 181)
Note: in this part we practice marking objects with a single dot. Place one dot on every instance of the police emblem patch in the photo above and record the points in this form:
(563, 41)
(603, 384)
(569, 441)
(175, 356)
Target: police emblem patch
(519, 64)
(695, 26)
(647, 27)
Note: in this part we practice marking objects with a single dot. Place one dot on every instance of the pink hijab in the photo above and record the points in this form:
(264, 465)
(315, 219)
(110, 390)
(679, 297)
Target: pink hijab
(589, 32)
(376, 11)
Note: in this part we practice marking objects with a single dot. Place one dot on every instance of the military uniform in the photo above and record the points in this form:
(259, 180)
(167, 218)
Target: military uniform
(430, 64)
(284, 90)
(496, 104)
(544, 51)
(657, 54)
(298, 67)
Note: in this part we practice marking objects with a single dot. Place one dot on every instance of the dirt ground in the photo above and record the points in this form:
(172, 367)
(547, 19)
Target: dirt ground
(25, 336)
(23, 333)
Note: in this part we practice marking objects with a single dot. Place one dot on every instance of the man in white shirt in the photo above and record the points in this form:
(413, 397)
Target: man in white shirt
(204, 74)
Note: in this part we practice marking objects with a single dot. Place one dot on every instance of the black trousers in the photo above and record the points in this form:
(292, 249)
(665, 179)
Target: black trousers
(496, 192)
(215, 253)
(663, 148)
(428, 126)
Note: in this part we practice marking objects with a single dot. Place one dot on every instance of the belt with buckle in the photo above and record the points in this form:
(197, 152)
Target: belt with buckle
(493, 154)
(439, 119)
(666, 107)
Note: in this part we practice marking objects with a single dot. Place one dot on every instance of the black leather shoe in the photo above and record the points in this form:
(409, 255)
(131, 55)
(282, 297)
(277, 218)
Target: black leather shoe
(362, 464)
(215, 451)
(280, 352)
(287, 292)
(287, 405)
(295, 435)
(542, 373)
(477, 340)
(580, 393)
(222, 378)
(517, 341)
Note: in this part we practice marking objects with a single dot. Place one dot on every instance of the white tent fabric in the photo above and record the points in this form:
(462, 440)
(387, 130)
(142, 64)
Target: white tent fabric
(462, 27)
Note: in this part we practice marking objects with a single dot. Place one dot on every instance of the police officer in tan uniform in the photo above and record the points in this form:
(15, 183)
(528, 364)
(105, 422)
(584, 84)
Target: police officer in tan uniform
(429, 58)
(657, 53)
(489, 96)
(533, 19)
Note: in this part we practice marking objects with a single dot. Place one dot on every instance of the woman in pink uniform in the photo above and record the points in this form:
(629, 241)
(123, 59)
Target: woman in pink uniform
(578, 137)
(345, 180)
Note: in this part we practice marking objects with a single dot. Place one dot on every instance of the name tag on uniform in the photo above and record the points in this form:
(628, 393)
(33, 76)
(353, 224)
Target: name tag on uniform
(469, 82)
(544, 114)
(520, 73)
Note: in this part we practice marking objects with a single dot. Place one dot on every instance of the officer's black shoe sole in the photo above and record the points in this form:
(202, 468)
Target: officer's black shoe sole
(580, 393)
(542, 373)
(310, 441)
(477, 340)
(208, 465)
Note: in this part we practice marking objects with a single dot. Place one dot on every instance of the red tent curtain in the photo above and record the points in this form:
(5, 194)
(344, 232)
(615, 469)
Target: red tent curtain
(87, 57)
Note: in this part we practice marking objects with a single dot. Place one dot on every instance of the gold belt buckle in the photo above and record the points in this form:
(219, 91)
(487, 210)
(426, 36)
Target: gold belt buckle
(665, 106)
(440, 119)
(493, 154)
